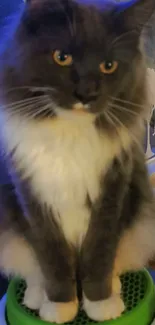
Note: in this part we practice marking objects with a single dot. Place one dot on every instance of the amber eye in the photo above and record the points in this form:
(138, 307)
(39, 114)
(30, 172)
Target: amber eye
(62, 58)
(108, 67)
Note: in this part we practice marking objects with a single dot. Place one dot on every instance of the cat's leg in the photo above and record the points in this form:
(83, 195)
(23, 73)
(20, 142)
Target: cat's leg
(102, 294)
(55, 256)
(136, 248)
(60, 303)
(37, 250)
(101, 287)
(17, 258)
(106, 308)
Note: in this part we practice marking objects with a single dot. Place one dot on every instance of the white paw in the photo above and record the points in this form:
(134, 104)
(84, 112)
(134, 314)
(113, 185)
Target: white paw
(33, 297)
(116, 285)
(110, 308)
(58, 312)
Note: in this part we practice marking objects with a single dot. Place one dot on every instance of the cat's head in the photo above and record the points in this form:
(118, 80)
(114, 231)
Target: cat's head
(81, 54)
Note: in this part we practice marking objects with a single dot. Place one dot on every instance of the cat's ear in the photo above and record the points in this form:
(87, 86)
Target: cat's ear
(135, 13)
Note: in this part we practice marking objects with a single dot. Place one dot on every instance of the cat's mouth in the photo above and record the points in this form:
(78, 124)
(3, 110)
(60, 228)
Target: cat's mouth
(80, 108)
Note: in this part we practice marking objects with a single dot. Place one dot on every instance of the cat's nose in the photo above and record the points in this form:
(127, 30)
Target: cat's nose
(87, 91)
(84, 98)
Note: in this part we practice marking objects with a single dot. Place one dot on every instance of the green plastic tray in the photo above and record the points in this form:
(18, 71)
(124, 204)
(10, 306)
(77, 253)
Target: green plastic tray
(138, 294)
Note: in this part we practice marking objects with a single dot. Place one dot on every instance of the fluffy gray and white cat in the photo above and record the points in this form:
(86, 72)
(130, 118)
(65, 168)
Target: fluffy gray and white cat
(73, 93)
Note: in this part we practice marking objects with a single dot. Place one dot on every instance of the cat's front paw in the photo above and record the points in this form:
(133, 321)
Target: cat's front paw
(58, 312)
(110, 308)
(33, 297)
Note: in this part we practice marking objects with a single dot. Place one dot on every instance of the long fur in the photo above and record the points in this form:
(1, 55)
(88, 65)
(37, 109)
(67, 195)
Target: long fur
(79, 210)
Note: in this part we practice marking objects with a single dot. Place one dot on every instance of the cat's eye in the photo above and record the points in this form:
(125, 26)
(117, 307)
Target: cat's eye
(108, 67)
(62, 58)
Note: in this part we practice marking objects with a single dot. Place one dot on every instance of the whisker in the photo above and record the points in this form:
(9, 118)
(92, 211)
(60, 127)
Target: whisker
(123, 126)
(22, 111)
(45, 109)
(117, 120)
(28, 103)
(124, 109)
(28, 108)
(18, 88)
(22, 107)
(31, 88)
(23, 102)
(25, 108)
(110, 120)
(127, 102)
(45, 88)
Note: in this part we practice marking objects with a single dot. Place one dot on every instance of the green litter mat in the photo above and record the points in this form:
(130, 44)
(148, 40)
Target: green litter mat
(138, 294)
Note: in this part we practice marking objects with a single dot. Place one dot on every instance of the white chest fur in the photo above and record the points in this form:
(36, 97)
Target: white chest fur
(65, 160)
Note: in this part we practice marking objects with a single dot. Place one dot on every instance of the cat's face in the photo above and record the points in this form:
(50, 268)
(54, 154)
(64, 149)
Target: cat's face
(81, 52)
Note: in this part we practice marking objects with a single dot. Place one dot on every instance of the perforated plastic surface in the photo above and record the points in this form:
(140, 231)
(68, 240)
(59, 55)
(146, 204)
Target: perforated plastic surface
(133, 285)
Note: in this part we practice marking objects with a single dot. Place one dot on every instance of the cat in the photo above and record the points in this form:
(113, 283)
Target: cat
(79, 208)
